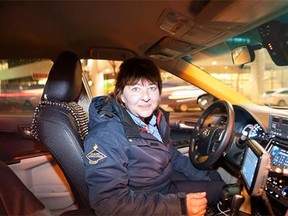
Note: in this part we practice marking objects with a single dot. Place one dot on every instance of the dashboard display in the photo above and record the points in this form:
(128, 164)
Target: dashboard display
(254, 132)
(255, 168)
(249, 167)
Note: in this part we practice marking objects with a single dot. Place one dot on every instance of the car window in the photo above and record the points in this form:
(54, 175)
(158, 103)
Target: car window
(285, 92)
(21, 84)
(177, 94)
(269, 92)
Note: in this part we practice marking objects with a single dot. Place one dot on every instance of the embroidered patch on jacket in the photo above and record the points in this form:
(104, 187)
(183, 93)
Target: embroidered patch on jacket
(95, 156)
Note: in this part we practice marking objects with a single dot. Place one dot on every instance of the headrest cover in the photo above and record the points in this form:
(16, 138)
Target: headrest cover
(65, 79)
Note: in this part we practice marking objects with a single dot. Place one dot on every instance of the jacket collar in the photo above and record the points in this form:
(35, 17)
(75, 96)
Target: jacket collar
(108, 108)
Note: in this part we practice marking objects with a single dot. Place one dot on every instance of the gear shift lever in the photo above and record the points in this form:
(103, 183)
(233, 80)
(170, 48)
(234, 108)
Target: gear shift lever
(236, 203)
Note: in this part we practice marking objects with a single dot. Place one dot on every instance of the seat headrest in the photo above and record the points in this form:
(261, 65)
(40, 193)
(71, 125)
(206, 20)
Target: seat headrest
(64, 82)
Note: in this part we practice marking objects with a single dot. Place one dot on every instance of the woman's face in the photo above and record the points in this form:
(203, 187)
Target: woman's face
(142, 98)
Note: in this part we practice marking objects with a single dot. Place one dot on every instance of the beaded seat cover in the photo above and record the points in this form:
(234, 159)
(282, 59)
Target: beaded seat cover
(79, 114)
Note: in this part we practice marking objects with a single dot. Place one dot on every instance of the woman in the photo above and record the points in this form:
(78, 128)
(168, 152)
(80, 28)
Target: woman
(131, 166)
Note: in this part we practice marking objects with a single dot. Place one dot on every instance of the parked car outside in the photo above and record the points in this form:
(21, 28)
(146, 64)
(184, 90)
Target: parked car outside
(276, 97)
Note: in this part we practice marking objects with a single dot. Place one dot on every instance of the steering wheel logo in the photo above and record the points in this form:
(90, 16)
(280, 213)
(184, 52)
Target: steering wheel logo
(206, 132)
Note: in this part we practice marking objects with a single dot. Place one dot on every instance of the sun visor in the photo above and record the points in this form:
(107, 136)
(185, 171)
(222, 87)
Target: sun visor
(169, 48)
(111, 54)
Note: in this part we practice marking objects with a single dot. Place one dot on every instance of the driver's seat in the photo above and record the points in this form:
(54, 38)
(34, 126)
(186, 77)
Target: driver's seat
(60, 123)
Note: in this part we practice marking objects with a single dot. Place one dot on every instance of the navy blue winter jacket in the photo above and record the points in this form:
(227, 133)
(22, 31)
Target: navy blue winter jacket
(128, 171)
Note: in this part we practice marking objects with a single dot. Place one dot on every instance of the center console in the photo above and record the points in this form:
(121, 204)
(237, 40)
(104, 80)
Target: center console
(277, 183)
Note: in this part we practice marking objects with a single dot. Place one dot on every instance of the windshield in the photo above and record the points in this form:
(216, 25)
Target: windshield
(261, 81)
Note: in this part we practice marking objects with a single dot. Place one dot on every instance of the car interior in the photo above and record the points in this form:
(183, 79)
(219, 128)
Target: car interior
(218, 60)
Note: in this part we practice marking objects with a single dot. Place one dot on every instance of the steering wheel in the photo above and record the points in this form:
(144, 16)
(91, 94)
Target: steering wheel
(209, 142)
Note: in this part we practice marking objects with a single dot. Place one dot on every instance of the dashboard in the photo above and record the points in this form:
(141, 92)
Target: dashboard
(273, 137)
(269, 128)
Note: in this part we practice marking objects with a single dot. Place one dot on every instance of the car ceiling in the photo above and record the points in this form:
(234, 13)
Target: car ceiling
(45, 28)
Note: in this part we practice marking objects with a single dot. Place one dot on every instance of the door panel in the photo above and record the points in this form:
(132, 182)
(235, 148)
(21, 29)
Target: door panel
(43, 177)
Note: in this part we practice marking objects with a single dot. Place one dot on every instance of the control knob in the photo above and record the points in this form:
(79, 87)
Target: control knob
(284, 192)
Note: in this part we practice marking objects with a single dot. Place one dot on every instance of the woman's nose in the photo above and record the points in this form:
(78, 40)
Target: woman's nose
(145, 95)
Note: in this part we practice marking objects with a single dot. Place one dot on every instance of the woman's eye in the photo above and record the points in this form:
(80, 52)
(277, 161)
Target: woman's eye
(135, 89)
(153, 88)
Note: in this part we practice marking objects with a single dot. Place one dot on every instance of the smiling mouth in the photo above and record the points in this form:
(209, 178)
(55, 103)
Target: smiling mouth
(145, 106)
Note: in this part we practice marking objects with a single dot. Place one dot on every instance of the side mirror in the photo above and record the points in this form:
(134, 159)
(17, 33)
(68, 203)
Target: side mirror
(205, 101)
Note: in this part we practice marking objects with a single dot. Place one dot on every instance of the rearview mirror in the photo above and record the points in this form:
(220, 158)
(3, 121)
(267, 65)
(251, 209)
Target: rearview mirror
(243, 55)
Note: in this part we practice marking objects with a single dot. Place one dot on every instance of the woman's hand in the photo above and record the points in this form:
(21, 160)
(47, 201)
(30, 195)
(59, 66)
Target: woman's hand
(196, 204)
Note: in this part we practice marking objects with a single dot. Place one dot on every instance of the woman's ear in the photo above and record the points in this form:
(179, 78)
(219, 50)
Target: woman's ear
(122, 99)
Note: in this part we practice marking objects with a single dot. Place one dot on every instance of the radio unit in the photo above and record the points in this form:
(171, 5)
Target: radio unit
(277, 184)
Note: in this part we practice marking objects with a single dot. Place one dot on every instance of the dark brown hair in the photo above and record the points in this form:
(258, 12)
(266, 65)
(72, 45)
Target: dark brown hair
(134, 69)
